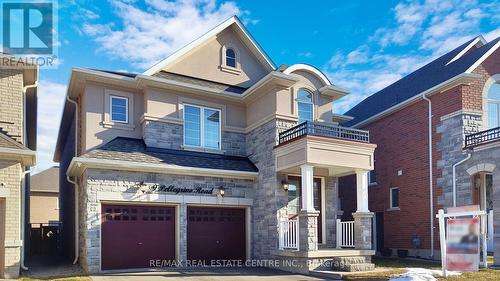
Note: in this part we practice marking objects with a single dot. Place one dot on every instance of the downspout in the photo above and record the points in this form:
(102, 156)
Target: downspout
(23, 217)
(23, 175)
(454, 178)
(74, 182)
(431, 191)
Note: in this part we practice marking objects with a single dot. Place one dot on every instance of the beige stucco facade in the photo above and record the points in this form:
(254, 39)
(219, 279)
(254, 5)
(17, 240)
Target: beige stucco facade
(44, 207)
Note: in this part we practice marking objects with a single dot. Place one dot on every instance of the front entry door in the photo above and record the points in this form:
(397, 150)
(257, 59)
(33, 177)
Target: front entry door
(295, 202)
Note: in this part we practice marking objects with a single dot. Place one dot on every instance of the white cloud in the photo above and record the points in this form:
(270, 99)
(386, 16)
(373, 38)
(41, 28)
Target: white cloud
(51, 97)
(142, 37)
(430, 28)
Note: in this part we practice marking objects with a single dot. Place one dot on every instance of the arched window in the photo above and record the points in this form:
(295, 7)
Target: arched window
(230, 57)
(305, 105)
(494, 106)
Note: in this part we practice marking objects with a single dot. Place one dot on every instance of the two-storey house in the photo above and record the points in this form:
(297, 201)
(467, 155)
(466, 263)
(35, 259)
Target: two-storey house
(212, 154)
(18, 109)
(438, 147)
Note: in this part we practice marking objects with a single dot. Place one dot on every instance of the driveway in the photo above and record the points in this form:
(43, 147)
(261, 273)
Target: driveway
(212, 274)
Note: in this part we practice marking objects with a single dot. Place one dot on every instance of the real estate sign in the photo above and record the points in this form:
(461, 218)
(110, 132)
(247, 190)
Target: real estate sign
(462, 249)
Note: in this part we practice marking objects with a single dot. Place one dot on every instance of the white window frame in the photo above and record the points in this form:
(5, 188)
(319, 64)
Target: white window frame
(492, 101)
(111, 97)
(312, 102)
(370, 182)
(390, 198)
(202, 127)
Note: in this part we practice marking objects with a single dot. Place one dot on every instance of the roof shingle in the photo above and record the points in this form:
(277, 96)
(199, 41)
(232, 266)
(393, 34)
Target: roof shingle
(135, 150)
(424, 78)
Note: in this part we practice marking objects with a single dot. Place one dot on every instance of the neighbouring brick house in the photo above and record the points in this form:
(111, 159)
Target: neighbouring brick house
(462, 86)
(18, 107)
(202, 157)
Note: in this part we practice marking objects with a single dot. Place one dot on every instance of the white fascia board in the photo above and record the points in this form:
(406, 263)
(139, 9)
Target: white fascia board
(445, 84)
(200, 40)
(273, 75)
(480, 39)
(483, 58)
(310, 69)
(79, 164)
(25, 156)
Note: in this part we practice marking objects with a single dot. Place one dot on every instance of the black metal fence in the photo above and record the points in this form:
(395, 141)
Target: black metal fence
(310, 128)
(482, 137)
(45, 239)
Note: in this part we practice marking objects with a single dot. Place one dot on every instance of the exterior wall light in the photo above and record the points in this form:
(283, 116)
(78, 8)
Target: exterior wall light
(221, 192)
(285, 185)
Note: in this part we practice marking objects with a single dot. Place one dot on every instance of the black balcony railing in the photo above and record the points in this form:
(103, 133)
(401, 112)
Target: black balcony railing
(483, 137)
(323, 130)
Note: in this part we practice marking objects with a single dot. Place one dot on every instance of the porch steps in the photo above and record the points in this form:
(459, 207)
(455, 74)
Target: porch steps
(352, 264)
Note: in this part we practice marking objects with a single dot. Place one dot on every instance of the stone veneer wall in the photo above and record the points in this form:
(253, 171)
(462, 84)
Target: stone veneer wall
(170, 136)
(162, 134)
(119, 182)
(10, 175)
(480, 157)
(453, 130)
(269, 196)
(331, 208)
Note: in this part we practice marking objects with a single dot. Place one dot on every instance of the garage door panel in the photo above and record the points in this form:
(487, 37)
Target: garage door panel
(134, 235)
(216, 233)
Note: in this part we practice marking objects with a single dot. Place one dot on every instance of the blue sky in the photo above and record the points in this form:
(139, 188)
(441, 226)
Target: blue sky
(360, 45)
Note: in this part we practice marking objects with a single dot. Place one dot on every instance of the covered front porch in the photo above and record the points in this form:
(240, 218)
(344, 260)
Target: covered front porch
(309, 159)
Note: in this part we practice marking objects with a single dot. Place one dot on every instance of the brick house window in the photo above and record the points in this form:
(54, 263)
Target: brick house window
(494, 106)
(394, 197)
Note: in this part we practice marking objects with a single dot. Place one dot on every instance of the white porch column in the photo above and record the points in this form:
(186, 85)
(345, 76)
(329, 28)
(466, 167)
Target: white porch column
(306, 172)
(362, 191)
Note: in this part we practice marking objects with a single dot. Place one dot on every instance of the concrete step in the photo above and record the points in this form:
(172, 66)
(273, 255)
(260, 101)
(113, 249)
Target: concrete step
(351, 260)
(359, 267)
(325, 274)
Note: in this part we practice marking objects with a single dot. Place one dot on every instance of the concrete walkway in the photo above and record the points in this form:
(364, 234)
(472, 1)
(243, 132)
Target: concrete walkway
(212, 274)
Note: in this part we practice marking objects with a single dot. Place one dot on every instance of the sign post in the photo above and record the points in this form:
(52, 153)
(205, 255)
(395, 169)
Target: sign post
(459, 238)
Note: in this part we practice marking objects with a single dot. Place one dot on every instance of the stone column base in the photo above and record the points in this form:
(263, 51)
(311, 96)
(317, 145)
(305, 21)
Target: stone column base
(308, 228)
(363, 230)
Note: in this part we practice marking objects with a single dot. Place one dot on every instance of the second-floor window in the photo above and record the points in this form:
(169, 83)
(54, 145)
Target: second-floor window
(201, 127)
(230, 57)
(119, 109)
(494, 106)
(305, 105)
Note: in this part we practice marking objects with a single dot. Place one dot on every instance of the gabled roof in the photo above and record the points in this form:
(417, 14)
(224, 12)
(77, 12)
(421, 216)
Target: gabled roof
(462, 60)
(245, 35)
(45, 181)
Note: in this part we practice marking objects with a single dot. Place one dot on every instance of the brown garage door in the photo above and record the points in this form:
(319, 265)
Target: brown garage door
(132, 236)
(216, 234)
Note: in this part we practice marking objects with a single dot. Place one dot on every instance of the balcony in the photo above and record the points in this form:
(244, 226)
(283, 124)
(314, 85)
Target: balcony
(340, 150)
(483, 137)
(322, 130)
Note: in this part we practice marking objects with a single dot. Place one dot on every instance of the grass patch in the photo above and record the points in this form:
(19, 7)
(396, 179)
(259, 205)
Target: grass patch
(387, 267)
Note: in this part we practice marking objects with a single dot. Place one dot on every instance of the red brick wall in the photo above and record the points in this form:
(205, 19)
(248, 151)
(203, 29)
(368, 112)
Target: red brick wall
(402, 140)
